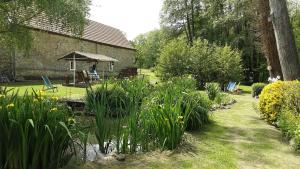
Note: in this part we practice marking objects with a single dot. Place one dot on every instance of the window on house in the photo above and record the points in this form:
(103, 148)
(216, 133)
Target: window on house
(111, 66)
(72, 67)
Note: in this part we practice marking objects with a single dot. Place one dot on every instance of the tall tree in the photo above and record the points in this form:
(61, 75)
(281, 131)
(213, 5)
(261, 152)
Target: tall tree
(285, 39)
(268, 39)
(224, 22)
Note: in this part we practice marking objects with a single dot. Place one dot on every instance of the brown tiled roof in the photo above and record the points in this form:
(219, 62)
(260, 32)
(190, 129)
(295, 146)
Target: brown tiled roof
(93, 31)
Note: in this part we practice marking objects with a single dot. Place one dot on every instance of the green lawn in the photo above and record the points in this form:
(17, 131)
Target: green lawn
(63, 91)
(149, 75)
(67, 92)
(237, 138)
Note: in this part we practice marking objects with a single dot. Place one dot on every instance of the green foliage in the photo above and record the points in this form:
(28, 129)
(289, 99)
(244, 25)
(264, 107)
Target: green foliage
(148, 48)
(206, 62)
(36, 132)
(199, 107)
(257, 88)
(289, 124)
(212, 90)
(224, 22)
(211, 63)
(174, 59)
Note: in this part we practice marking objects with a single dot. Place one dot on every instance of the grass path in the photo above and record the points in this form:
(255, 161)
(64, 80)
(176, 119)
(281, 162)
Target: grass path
(237, 138)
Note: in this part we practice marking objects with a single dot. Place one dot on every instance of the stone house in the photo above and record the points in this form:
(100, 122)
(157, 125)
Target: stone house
(51, 43)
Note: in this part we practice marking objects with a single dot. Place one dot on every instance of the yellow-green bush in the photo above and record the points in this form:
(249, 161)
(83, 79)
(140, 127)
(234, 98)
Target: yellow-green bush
(271, 101)
(292, 97)
(277, 96)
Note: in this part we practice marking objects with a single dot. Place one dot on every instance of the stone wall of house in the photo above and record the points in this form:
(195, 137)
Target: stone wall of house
(5, 63)
(49, 47)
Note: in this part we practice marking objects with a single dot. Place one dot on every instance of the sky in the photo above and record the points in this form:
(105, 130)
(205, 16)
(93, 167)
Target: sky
(133, 17)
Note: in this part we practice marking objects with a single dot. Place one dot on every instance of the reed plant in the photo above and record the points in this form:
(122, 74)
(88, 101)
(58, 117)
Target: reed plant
(200, 106)
(163, 118)
(36, 132)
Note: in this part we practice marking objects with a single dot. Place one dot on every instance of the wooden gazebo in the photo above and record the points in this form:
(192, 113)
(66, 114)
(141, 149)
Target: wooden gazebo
(77, 56)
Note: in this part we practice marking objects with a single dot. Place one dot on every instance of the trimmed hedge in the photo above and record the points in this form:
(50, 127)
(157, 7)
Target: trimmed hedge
(277, 97)
(257, 89)
(271, 101)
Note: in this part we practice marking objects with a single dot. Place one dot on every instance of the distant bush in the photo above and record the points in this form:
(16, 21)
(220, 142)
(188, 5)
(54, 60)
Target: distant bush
(271, 101)
(199, 107)
(212, 63)
(257, 88)
(206, 62)
(174, 59)
(289, 124)
(212, 90)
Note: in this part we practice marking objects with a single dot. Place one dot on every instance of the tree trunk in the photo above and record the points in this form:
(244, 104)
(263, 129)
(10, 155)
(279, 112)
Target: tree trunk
(188, 22)
(285, 39)
(268, 39)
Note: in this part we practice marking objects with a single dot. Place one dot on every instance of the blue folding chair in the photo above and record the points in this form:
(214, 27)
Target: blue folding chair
(48, 84)
(231, 86)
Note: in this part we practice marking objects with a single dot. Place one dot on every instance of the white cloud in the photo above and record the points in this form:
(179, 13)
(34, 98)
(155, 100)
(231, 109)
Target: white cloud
(133, 17)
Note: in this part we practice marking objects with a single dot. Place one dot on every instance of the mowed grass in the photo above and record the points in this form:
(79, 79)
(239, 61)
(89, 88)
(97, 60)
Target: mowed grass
(149, 74)
(236, 138)
(63, 91)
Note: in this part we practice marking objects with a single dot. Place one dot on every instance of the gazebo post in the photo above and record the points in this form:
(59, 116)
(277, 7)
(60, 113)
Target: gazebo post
(74, 73)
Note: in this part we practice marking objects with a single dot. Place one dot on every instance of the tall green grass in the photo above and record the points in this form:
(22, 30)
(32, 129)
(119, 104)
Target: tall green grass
(126, 110)
(164, 120)
(36, 132)
(155, 117)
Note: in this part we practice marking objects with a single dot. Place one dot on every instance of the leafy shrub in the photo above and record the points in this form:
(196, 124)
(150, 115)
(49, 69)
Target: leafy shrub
(199, 107)
(257, 88)
(212, 90)
(36, 132)
(206, 62)
(174, 59)
(271, 101)
(212, 63)
(289, 123)
(223, 99)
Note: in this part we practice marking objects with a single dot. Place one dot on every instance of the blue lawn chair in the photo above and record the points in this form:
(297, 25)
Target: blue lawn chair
(231, 86)
(48, 84)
